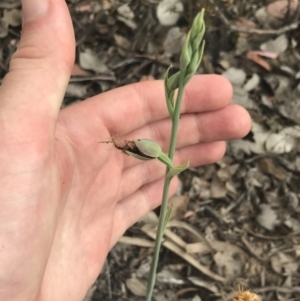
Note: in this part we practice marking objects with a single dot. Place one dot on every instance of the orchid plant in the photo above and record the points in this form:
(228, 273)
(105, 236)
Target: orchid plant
(146, 149)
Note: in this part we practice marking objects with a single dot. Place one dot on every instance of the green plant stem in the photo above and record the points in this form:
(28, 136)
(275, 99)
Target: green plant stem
(189, 62)
(164, 205)
(159, 236)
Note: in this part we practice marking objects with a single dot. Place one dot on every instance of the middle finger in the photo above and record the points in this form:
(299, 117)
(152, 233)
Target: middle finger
(232, 122)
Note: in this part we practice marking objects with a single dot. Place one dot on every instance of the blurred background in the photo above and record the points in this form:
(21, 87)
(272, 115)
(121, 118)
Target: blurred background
(235, 223)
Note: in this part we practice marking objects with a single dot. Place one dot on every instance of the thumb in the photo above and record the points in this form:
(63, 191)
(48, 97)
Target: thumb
(40, 68)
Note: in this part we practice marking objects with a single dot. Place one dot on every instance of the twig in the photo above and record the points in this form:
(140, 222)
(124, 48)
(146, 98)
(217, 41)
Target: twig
(167, 243)
(245, 29)
(218, 216)
(251, 250)
(183, 291)
(272, 237)
(233, 205)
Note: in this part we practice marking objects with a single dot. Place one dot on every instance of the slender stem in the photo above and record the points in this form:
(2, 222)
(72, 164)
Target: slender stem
(164, 205)
(159, 236)
(189, 62)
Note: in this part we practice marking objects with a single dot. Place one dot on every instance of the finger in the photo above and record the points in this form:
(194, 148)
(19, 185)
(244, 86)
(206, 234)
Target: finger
(144, 173)
(33, 89)
(137, 205)
(231, 122)
(136, 105)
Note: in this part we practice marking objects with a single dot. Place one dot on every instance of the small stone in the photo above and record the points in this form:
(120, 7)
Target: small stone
(235, 76)
(168, 12)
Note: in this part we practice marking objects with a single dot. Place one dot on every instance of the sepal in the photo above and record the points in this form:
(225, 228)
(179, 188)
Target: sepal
(174, 171)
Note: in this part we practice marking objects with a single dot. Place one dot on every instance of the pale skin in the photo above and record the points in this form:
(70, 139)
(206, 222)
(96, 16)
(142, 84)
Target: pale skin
(65, 198)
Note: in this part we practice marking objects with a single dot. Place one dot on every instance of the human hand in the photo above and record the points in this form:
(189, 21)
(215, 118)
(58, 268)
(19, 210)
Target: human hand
(66, 199)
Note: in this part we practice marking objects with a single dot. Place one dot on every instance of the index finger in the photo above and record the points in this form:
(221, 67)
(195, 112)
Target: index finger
(143, 103)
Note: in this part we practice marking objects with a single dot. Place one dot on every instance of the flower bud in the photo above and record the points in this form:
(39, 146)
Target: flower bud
(146, 149)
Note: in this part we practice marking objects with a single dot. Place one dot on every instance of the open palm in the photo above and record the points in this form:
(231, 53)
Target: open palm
(66, 198)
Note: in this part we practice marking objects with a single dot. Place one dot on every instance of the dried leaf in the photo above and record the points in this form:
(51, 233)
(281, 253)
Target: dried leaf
(268, 166)
(3, 28)
(186, 226)
(77, 90)
(241, 97)
(284, 264)
(246, 23)
(204, 284)
(78, 71)
(179, 203)
(280, 143)
(136, 286)
(229, 258)
(198, 247)
(267, 217)
(252, 83)
(130, 23)
(260, 135)
(297, 250)
(122, 41)
(175, 238)
(279, 9)
(150, 218)
(125, 11)
(278, 45)
(13, 17)
(180, 252)
(88, 59)
(83, 8)
(196, 298)
(270, 55)
(266, 20)
(253, 56)
(171, 277)
(217, 188)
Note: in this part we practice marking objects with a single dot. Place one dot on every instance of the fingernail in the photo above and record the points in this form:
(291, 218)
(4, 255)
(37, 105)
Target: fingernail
(34, 9)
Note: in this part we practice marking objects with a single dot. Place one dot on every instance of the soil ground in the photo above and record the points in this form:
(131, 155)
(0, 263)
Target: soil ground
(235, 223)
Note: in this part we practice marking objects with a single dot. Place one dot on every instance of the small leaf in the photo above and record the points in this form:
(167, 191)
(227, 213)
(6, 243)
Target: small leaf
(192, 71)
(193, 65)
(197, 30)
(190, 56)
(174, 171)
(201, 51)
(173, 81)
(169, 94)
(186, 54)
